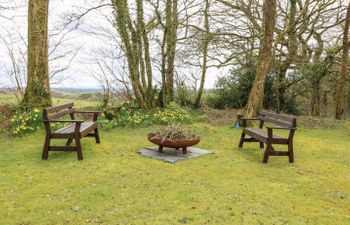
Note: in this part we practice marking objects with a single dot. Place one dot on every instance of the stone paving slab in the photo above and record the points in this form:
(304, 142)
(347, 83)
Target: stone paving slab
(172, 155)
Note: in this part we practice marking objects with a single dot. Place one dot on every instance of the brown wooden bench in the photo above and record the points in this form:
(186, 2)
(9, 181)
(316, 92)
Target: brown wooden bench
(76, 130)
(267, 136)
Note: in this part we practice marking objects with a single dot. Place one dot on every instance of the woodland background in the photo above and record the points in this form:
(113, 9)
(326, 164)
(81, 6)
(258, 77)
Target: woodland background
(287, 56)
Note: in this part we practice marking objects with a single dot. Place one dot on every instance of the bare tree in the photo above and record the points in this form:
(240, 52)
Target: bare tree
(15, 71)
(111, 75)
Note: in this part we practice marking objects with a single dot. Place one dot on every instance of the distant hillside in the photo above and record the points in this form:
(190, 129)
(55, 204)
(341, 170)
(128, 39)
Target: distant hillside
(65, 90)
(77, 90)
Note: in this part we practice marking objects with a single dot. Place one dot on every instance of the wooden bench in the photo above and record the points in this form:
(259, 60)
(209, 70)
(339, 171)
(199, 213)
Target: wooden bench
(267, 136)
(76, 130)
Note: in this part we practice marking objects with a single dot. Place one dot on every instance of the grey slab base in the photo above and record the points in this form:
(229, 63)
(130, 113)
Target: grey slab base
(172, 155)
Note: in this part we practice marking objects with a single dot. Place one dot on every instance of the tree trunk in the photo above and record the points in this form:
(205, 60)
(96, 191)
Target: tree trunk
(205, 55)
(348, 99)
(292, 52)
(37, 93)
(341, 97)
(132, 44)
(162, 94)
(147, 58)
(171, 36)
(279, 85)
(265, 52)
(316, 98)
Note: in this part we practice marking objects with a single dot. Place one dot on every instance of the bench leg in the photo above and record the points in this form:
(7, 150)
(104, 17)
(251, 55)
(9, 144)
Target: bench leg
(266, 153)
(97, 136)
(78, 148)
(291, 152)
(242, 140)
(45, 154)
(261, 144)
(69, 142)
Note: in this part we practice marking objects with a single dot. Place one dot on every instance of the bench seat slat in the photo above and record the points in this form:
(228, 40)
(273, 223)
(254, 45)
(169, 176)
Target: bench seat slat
(68, 131)
(262, 136)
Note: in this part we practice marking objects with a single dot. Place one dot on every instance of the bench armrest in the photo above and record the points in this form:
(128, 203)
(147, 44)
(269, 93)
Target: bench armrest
(271, 128)
(86, 111)
(63, 121)
(252, 118)
(281, 128)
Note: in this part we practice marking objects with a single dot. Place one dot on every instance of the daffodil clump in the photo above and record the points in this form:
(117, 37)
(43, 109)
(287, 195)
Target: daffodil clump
(127, 117)
(173, 114)
(107, 124)
(139, 118)
(26, 122)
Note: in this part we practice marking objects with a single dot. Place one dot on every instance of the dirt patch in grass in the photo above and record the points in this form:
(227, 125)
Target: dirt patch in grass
(5, 115)
(321, 123)
(5, 111)
(220, 117)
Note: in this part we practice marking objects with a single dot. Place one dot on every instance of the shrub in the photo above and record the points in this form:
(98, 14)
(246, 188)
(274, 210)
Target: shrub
(233, 91)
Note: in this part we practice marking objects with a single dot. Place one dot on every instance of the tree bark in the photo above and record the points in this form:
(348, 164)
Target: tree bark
(316, 98)
(206, 41)
(292, 52)
(147, 57)
(162, 94)
(171, 39)
(265, 53)
(37, 93)
(132, 44)
(341, 97)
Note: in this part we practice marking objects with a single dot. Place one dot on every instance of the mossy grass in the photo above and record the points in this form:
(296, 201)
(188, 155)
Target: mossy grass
(115, 185)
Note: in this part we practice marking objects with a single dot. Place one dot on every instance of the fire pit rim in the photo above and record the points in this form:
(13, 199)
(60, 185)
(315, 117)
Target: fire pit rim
(173, 143)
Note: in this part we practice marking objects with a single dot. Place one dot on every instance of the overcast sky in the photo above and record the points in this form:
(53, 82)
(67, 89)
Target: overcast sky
(14, 23)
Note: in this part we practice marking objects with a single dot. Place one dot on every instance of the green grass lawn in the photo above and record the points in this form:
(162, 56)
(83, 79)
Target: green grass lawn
(115, 185)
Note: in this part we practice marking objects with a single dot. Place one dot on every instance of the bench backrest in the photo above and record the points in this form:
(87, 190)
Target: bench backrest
(278, 119)
(59, 111)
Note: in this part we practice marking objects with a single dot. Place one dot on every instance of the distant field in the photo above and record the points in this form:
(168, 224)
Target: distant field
(10, 99)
